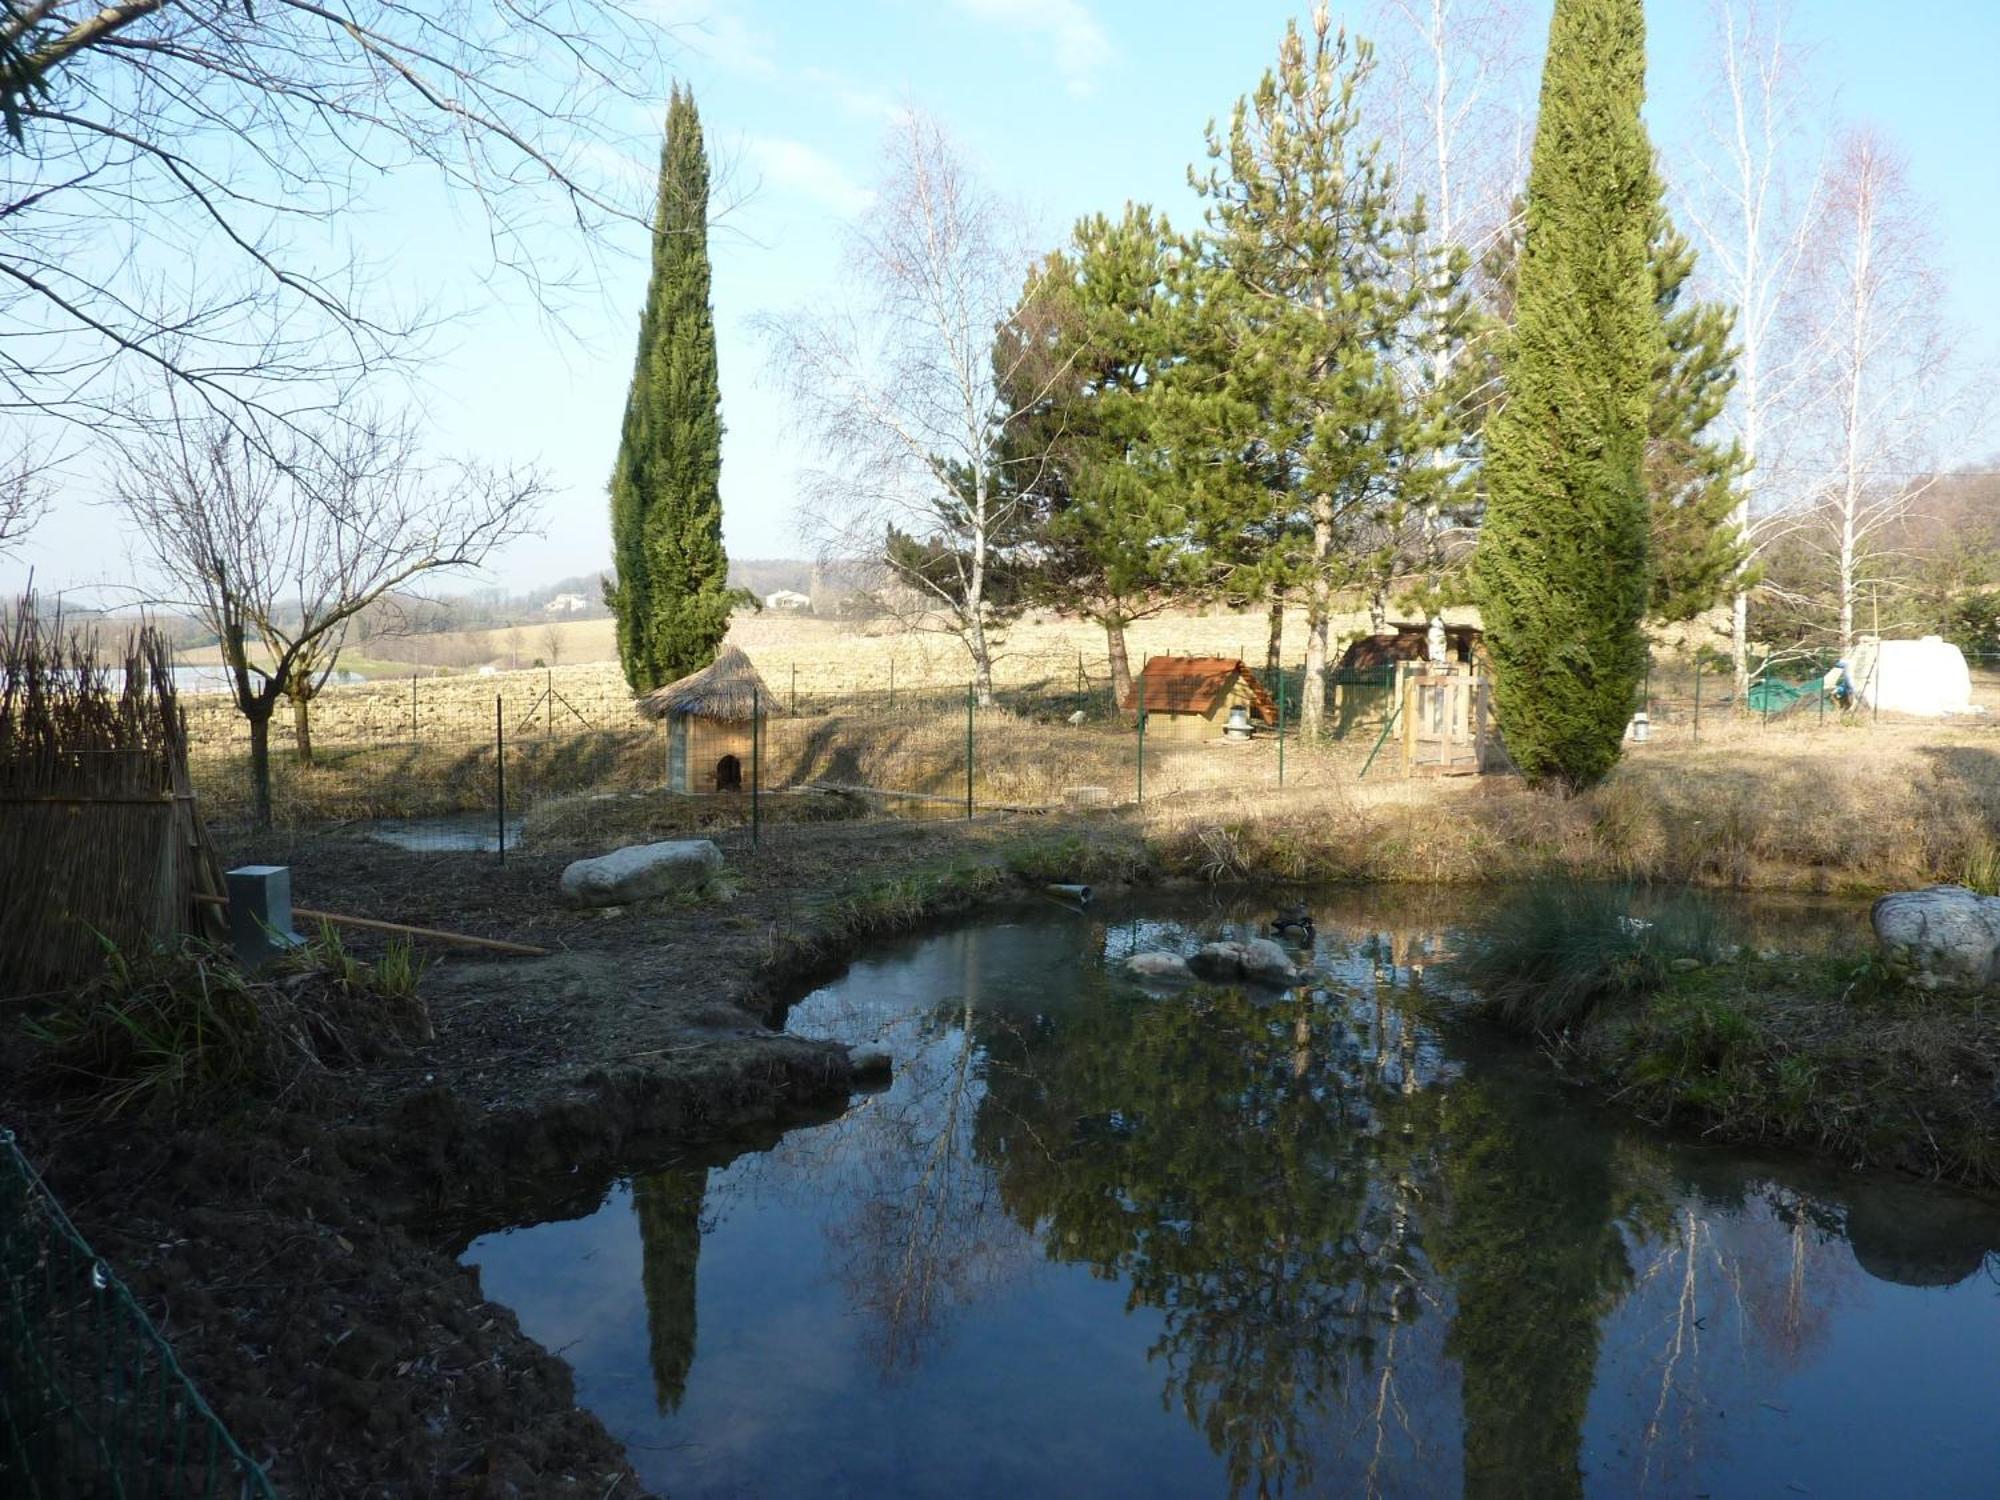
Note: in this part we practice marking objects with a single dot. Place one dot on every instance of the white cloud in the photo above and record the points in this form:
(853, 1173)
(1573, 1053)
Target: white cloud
(1079, 45)
(720, 31)
(793, 166)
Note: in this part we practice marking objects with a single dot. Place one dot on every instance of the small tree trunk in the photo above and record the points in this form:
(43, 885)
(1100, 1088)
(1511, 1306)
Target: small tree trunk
(1378, 607)
(1739, 641)
(260, 762)
(1319, 594)
(1121, 663)
(1274, 646)
(302, 727)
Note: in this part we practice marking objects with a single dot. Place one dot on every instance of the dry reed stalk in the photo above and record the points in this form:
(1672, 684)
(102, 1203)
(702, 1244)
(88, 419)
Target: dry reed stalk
(100, 839)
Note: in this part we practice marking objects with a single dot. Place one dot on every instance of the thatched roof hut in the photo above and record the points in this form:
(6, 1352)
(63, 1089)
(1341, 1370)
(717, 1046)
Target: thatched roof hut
(727, 690)
(711, 717)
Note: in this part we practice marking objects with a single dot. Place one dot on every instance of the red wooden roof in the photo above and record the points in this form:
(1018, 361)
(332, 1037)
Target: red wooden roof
(1195, 684)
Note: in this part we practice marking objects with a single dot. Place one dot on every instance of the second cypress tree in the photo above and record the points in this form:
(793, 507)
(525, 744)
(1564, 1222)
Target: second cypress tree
(671, 590)
(1562, 566)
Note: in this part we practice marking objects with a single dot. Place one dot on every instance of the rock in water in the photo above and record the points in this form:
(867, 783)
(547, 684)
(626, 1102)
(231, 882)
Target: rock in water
(1945, 934)
(1158, 965)
(1259, 960)
(640, 872)
(872, 1065)
(1267, 962)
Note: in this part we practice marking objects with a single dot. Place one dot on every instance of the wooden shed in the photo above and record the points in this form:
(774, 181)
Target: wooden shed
(1189, 697)
(710, 717)
(1410, 642)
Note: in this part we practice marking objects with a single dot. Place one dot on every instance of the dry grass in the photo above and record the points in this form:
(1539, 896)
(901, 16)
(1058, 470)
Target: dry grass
(1842, 812)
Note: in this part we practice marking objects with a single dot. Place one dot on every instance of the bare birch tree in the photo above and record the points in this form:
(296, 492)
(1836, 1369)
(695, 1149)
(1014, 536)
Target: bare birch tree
(1752, 193)
(278, 554)
(1456, 93)
(1882, 379)
(179, 177)
(901, 394)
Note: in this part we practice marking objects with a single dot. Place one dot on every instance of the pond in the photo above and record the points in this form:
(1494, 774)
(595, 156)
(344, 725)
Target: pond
(456, 833)
(1100, 1241)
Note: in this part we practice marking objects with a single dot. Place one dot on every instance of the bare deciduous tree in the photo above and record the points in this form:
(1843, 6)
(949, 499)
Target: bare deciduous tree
(1882, 377)
(1753, 196)
(902, 396)
(174, 197)
(278, 554)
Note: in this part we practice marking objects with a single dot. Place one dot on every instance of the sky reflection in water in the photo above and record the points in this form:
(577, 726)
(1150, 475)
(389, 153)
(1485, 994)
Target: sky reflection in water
(1093, 1242)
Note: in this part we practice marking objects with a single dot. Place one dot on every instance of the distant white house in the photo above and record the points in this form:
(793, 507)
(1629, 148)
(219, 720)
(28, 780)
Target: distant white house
(566, 604)
(788, 600)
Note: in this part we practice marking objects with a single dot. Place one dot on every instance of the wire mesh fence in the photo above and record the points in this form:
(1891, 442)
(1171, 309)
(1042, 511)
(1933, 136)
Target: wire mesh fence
(92, 1402)
(533, 759)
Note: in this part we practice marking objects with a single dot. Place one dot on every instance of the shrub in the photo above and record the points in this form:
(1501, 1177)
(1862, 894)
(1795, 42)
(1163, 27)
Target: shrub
(1551, 955)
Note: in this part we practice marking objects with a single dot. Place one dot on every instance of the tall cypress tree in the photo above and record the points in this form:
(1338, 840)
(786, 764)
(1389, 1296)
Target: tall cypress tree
(1562, 565)
(671, 591)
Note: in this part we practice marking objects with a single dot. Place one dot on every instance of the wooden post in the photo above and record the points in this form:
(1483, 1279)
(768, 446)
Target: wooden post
(500, 775)
(1412, 707)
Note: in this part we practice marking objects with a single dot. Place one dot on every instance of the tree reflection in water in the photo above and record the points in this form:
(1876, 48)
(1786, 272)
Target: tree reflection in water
(1369, 1268)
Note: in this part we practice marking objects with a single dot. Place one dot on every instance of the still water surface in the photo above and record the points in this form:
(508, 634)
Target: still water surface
(1095, 1241)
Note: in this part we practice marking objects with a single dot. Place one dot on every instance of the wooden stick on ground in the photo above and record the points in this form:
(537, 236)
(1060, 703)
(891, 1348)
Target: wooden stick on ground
(402, 929)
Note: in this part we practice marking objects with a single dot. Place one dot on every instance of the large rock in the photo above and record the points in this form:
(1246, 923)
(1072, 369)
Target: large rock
(641, 872)
(1158, 965)
(1259, 960)
(1945, 934)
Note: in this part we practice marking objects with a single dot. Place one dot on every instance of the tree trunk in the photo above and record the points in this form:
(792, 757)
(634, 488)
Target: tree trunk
(1121, 662)
(1378, 606)
(302, 727)
(260, 762)
(1319, 595)
(1274, 647)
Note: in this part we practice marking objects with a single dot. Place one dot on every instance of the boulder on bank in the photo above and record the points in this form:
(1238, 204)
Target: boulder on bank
(1158, 964)
(1944, 934)
(873, 1065)
(1259, 960)
(641, 872)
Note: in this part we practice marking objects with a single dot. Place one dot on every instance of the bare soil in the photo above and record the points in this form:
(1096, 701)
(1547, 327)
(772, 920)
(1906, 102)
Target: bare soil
(300, 1254)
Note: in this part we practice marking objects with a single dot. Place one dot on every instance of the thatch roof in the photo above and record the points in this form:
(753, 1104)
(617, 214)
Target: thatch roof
(728, 690)
(1195, 684)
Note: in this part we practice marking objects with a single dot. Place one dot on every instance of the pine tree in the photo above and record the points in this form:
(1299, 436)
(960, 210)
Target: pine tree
(671, 593)
(1692, 474)
(1562, 564)
(1304, 229)
(1110, 525)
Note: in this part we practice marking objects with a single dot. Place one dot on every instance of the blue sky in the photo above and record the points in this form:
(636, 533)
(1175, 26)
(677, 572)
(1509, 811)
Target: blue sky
(1067, 107)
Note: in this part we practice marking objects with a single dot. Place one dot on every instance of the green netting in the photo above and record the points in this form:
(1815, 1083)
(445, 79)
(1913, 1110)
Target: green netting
(1773, 695)
(92, 1402)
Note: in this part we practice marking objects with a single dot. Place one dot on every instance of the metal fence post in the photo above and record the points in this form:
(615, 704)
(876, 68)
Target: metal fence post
(1140, 700)
(549, 691)
(500, 776)
(970, 702)
(1281, 728)
(757, 765)
(413, 705)
(795, 688)
(1697, 700)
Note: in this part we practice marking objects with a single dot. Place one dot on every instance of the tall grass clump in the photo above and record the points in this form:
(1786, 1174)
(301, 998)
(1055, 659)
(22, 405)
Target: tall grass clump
(1556, 952)
(181, 1028)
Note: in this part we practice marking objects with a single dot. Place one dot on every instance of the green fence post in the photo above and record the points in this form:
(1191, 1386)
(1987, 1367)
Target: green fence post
(971, 700)
(1139, 700)
(795, 689)
(892, 682)
(1281, 728)
(757, 766)
(1697, 700)
(500, 775)
(413, 705)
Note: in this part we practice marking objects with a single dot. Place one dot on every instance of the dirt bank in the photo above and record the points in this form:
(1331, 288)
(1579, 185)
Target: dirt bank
(299, 1253)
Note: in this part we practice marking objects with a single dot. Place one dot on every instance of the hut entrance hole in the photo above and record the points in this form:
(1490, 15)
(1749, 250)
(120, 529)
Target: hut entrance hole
(729, 774)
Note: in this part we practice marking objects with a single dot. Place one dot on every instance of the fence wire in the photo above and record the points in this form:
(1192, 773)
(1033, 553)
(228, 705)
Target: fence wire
(92, 1401)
